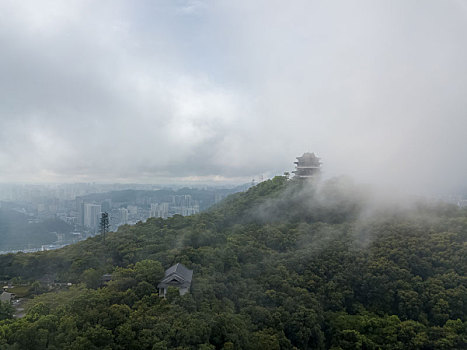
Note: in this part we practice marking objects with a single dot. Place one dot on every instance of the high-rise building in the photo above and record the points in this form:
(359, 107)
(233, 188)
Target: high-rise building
(164, 210)
(92, 214)
(184, 200)
(123, 216)
(153, 211)
(80, 210)
(159, 210)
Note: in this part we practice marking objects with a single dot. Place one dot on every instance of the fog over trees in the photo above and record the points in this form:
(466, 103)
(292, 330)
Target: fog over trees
(315, 273)
(180, 122)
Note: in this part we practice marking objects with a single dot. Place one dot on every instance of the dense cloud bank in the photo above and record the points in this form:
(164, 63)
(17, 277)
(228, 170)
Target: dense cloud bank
(205, 90)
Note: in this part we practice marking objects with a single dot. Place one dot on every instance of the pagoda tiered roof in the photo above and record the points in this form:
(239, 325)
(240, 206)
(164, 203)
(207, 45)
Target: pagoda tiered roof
(307, 166)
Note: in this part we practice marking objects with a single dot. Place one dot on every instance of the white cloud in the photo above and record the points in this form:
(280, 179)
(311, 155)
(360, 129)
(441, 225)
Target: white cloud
(216, 90)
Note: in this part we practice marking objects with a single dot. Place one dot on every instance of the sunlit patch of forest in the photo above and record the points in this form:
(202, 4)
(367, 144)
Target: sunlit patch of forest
(284, 265)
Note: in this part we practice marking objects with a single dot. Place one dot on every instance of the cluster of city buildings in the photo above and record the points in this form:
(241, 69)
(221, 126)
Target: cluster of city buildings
(89, 214)
(82, 213)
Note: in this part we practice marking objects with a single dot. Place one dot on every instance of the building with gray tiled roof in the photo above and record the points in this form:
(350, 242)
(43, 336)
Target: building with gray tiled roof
(176, 276)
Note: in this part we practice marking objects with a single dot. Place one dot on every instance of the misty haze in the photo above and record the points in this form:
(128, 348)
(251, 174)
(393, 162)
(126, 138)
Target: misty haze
(201, 174)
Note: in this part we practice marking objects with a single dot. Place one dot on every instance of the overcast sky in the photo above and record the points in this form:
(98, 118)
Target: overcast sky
(157, 91)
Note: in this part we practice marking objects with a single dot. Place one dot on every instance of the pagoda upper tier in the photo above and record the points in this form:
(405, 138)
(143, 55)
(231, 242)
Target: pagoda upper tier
(307, 166)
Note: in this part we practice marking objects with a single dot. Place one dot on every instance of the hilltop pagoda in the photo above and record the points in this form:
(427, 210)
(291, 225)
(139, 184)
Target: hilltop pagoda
(307, 166)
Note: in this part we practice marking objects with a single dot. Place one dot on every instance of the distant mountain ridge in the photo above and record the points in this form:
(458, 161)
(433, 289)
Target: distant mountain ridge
(17, 233)
(205, 197)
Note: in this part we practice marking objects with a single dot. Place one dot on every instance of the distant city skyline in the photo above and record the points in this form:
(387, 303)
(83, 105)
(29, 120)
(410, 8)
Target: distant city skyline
(70, 213)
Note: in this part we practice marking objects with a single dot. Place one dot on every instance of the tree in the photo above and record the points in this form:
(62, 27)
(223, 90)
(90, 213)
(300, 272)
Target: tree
(91, 277)
(6, 310)
(150, 271)
(104, 224)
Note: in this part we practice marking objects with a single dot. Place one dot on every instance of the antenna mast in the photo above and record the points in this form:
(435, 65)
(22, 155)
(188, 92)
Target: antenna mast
(104, 225)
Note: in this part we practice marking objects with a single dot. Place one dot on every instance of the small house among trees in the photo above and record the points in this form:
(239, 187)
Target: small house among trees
(176, 276)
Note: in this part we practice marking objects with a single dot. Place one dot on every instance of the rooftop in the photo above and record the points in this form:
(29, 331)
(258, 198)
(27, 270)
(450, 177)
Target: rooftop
(180, 270)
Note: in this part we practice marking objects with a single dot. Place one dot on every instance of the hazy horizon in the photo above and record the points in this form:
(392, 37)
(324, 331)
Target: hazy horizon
(222, 92)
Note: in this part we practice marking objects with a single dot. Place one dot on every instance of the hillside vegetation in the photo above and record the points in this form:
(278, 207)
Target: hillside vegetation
(284, 265)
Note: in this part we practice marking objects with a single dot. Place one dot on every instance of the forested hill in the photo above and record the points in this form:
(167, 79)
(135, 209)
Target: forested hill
(16, 232)
(285, 265)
